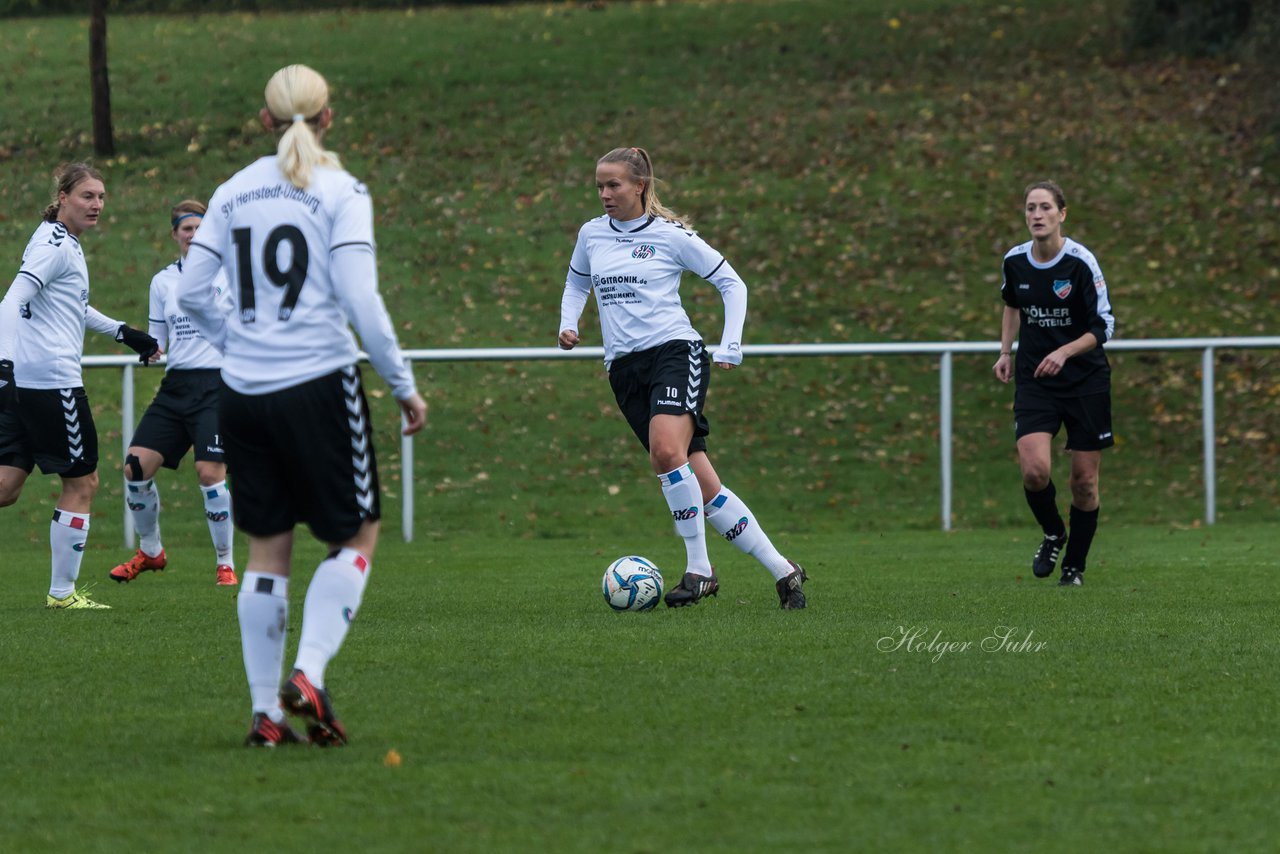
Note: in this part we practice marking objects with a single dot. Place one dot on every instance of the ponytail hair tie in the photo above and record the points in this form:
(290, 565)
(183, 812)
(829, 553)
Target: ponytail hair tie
(299, 117)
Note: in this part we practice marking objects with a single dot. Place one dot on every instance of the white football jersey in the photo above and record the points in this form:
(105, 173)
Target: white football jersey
(50, 339)
(184, 346)
(277, 246)
(635, 269)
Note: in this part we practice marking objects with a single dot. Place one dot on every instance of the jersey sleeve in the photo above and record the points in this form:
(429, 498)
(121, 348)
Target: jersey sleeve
(99, 322)
(353, 219)
(196, 295)
(43, 262)
(354, 266)
(577, 286)
(21, 291)
(157, 323)
(734, 293)
(697, 256)
(1006, 290)
(1101, 322)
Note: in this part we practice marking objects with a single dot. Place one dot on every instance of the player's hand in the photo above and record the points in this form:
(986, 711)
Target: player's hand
(1051, 365)
(726, 365)
(147, 348)
(7, 387)
(414, 409)
(1003, 368)
(568, 339)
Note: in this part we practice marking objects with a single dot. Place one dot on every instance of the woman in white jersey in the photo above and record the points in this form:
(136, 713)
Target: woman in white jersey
(1056, 305)
(633, 257)
(183, 416)
(293, 232)
(45, 417)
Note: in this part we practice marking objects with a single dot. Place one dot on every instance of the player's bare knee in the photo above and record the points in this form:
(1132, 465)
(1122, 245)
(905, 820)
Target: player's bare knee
(1035, 479)
(1084, 492)
(210, 473)
(665, 459)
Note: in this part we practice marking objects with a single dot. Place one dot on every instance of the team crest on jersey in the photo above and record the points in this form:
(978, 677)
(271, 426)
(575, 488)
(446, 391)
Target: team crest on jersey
(644, 251)
(1062, 288)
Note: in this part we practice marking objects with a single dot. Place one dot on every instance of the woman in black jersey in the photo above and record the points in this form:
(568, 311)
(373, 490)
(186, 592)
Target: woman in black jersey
(1056, 305)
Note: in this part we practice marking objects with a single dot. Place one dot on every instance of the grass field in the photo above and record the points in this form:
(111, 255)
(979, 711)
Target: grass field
(861, 166)
(1134, 713)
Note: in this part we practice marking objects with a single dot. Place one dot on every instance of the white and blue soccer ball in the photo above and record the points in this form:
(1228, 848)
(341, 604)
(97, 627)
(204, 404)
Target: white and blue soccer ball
(632, 583)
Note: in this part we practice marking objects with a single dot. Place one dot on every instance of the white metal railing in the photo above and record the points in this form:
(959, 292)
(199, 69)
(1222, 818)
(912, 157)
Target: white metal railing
(944, 350)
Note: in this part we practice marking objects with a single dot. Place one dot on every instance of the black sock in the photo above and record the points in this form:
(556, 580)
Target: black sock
(1044, 505)
(1084, 523)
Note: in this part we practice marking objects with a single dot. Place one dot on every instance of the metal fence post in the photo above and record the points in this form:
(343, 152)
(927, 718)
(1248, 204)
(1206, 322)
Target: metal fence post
(126, 436)
(1210, 447)
(944, 436)
(406, 475)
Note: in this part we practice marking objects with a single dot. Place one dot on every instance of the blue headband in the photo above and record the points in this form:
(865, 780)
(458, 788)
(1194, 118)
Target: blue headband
(178, 219)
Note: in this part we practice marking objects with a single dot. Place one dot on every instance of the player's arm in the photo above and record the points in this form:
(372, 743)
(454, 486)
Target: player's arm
(734, 293)
(1098, 303)
(147, 348)
(197, 297)
(1010, 318)
(21, 291)
(577, 288)
(157, 325)
(355, 274)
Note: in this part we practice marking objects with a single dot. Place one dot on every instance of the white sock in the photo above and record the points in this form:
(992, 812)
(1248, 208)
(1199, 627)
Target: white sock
(333, 598)
(263, 606)
(217, 509)
(684, 498)
(734, 521)
(144, 506)
(68, 532)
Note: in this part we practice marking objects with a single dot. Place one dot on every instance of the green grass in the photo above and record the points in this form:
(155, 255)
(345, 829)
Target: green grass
(530, 717)
(865, 179)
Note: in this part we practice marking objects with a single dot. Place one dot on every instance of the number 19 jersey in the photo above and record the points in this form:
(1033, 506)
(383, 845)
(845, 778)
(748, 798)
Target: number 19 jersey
(274, 241)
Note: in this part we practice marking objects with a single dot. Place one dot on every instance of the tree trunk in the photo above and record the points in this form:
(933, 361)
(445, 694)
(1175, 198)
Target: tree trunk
(103, 135)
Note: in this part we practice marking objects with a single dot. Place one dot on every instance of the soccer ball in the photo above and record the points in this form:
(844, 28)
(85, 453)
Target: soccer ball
(632, 583)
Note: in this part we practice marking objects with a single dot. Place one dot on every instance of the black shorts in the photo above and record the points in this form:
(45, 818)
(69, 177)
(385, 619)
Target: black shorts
(302, 454)
(183, 415)
(52, 428)
(670, 379)
(1088, 418)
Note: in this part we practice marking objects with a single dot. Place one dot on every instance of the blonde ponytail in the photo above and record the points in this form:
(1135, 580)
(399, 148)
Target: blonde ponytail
(296, 99)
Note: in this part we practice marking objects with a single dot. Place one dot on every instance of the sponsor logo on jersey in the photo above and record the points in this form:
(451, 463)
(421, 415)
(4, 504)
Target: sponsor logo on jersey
(736, 531)
(644, 251)
(685, 515)
(1062, 288)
